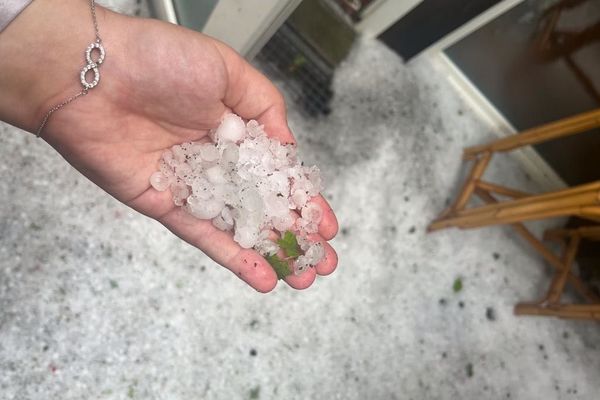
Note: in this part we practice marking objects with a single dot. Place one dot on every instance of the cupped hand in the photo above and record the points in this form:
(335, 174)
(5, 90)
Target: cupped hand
(162, 85)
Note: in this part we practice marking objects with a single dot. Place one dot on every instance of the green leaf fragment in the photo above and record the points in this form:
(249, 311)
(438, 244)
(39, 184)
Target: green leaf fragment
(289, 245)
(255, 393)
(457, 287)
(281, 267)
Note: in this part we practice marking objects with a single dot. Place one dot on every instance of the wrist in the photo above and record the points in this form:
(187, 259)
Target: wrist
(42, 55)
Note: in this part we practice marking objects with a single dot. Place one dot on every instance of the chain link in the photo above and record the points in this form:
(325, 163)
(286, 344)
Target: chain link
(81, 93)
(96, 31)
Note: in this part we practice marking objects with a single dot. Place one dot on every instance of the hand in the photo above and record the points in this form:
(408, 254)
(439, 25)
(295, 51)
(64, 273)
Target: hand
(160, 85)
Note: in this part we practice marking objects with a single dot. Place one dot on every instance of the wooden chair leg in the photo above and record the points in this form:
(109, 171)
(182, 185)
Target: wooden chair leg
(577, 284)
(466, 191)
(566, 202)
(585, 232)
(551, 305)
(558, 283)
(564, 127)
(575, 311)
(582, 201)
(552, 259)
(501, 190)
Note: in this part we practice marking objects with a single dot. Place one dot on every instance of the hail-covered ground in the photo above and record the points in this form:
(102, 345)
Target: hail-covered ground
(99, 302)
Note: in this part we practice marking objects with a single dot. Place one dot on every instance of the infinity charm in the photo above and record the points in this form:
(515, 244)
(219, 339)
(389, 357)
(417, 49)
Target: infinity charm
(92, 65)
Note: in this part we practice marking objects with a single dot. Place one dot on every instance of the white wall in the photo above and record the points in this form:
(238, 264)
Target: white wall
(382, 14)
(246, 25)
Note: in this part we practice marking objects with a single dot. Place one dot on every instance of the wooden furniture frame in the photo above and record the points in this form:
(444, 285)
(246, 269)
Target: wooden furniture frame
(551, 305)
(581, 201)
(553, 43)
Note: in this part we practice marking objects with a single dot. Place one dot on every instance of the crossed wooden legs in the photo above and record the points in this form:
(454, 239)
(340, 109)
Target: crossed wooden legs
(551, 304)
(581, 201)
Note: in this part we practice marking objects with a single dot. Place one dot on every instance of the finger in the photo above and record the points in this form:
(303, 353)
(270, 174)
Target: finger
(160, 205)
(252, 96)
(328, 227)
(303, 280)
(330, 261)
(325, 267)
(307, 277)
(247, 264)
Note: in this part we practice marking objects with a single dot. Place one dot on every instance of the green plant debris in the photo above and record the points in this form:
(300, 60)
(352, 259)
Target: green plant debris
(289, 245)
(113, 284)
(255, 393)
(281, 267)
(298, 62)
(130, 392)
(458, 285)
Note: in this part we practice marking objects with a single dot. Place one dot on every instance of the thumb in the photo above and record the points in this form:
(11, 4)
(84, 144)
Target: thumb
(251, 95)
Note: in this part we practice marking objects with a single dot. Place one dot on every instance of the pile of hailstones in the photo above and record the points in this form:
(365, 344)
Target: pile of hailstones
(247, 183)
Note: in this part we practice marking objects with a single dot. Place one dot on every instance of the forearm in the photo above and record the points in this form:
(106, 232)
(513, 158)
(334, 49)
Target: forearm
(41, 54)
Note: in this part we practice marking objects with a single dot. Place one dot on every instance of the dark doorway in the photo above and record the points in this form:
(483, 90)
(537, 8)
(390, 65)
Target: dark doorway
(510, 63)
(430, 21)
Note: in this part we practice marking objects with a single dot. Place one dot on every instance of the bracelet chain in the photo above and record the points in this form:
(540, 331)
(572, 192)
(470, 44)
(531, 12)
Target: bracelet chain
(92, 65)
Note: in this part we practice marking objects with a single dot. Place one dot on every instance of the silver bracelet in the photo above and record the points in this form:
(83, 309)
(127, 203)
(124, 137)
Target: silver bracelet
(92, 65)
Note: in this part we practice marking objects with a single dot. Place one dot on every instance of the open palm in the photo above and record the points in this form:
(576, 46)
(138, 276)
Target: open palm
(162, 85)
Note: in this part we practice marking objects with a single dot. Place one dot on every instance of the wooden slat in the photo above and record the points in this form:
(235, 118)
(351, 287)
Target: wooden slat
(563, 203)
(574, 311)
(554, 130)
(552, 259)
(501, 190)
(558, 283)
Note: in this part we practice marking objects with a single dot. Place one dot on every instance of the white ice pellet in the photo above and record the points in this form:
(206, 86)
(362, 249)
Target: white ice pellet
(315, 252)
(254, 129)
(221, 224)
(230, 155)
(205, 209)
(312, 213)
(314, 177)
(266, 247)
(232, 129)
(252, 201)
(299, 198)
(168, 158)
(178, 154)
(306, 226)
(283, 224)
(303, 242)
(216, 175)
(160, 181)
(201, 188)
(301, 264)
(227, 217)
(246, 236)
(180, 193)
(277, 206)
(183, 170)
(246, 183)
(208, 152)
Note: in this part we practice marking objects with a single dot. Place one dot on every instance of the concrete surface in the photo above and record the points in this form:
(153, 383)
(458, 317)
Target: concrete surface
(99, 302)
